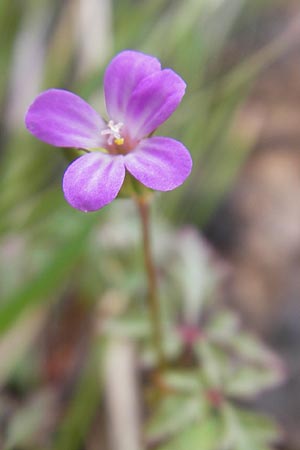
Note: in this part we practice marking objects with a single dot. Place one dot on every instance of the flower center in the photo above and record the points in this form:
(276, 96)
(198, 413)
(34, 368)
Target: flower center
(113, 133)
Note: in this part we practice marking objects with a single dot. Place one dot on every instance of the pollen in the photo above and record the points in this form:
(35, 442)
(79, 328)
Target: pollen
(119, 141)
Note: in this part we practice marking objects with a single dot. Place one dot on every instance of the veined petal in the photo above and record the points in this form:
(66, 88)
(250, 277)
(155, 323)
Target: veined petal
(159, 163)
(122, 76)
(63, 119)
(93, 180)
(153, 101)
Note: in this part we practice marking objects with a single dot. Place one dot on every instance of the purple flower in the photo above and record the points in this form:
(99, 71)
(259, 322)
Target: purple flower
(139, 97)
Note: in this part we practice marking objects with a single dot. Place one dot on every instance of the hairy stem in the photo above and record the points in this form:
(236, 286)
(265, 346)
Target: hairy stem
(153, 301)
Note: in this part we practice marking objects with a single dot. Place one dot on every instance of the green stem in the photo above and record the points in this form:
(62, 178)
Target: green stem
(153, 301)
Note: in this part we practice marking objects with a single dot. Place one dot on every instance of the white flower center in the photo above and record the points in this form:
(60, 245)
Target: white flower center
(113, 133)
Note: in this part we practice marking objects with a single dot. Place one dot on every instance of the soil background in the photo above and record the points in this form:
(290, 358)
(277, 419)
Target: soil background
(257, 227)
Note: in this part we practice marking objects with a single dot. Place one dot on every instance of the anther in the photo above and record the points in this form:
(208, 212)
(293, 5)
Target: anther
(113, 133)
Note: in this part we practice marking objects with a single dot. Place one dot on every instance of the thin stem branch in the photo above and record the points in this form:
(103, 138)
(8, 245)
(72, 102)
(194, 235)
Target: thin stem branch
(153, 300)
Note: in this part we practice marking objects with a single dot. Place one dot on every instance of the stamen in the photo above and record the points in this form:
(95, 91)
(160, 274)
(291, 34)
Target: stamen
(113, 133)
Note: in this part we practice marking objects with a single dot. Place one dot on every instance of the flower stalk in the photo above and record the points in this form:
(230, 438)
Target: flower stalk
(143, 205)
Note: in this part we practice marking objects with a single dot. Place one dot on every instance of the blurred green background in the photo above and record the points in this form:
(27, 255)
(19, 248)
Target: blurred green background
(56, 263)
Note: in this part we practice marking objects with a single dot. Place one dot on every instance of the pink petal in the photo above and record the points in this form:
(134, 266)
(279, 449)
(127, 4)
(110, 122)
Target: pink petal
(159, 163)
(153, 101)
(122, 76)
(63, 119)
(93, 180)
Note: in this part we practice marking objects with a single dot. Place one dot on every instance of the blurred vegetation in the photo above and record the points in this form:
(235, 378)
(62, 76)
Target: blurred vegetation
(51, 255)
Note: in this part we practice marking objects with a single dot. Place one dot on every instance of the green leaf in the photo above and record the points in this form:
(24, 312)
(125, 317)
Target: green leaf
(83, 405)
(214, 363)
(185, 381)
(249, 347)
(192, 272)
(263, 428)
(173, 414)
(223, 326)
(249, 381)
(50, 277)
(246, 430)
(205, 436)
(28, 421)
